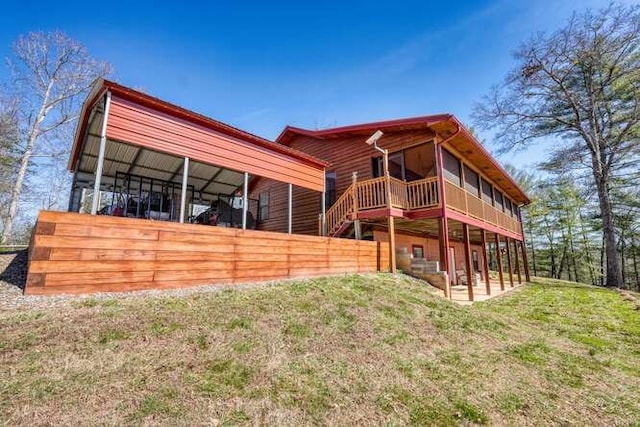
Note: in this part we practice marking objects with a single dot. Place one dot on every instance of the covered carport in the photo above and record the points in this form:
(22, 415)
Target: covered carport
(128, 142)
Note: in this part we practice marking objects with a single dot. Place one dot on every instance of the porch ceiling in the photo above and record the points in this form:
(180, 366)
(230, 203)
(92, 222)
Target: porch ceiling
(429, 227)
(136, 160)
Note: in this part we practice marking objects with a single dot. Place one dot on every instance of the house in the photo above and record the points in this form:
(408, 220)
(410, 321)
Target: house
(445, 198)
(150, 173)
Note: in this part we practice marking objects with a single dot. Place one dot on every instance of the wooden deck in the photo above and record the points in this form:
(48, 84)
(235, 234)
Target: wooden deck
(76, 253)
(367, 199)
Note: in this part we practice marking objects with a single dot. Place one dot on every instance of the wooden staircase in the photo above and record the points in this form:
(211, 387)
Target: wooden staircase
(371, 194)
(341, 215)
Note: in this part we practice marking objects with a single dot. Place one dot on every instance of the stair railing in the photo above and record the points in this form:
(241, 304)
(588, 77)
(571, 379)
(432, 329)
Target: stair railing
(341, 211)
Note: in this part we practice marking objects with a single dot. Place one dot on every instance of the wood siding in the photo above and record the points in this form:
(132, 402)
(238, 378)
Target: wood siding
(346, 155)
(139, 125)
(75, 253)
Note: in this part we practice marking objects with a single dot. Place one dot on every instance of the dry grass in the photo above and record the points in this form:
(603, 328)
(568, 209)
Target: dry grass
(370, 349)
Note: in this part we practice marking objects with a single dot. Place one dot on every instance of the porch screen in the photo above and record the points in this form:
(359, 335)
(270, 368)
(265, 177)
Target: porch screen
(508, 208)
(487, 193)
(499, 200)
(471, 183)
(451, 167)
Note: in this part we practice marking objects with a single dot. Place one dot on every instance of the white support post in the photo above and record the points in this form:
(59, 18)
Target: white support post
(245, 200)
(183, 196)
(103, 146)
(290, 222)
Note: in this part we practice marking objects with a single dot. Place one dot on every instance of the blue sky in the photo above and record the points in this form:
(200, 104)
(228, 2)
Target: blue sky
(262, 65)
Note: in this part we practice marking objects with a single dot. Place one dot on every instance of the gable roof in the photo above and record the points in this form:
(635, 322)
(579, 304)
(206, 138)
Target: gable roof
(101, 85)
(446, 126)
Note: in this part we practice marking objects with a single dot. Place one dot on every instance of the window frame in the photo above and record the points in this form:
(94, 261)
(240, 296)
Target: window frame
(413, 250)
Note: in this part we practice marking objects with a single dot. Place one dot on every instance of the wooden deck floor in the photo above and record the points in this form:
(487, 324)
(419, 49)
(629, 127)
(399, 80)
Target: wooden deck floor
(460, 295)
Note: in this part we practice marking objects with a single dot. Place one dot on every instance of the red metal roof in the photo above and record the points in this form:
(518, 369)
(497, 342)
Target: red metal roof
(446, 125)
(100, 86)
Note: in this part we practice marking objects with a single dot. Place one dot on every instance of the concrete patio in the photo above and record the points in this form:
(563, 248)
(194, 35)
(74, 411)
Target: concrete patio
(460, 293)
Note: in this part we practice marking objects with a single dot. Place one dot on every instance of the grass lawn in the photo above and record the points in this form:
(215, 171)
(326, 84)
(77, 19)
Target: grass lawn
(372, 349)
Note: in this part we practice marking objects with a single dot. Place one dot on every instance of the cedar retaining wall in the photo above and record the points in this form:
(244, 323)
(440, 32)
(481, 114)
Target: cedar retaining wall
(79, 253)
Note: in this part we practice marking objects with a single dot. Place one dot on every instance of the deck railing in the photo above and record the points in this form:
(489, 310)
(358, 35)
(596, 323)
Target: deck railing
(371, 193)
(398, 193)
(422, 194)
(462, 201)
(340, 211)
(419, 194)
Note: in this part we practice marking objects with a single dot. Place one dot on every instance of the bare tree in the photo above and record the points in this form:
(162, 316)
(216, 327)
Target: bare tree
(580, 85)
(51, 73)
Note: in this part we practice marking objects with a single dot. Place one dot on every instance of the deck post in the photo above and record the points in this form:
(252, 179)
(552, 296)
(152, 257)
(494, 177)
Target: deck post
(499, 260)
(509, 265)
(183, 194)
(523, 247)
(245, 200)
(485, 261)
(515, 249)
(103, 146)
(443, 229)
(290, 209)
(467, 260)
(356, 222)
(391, 220)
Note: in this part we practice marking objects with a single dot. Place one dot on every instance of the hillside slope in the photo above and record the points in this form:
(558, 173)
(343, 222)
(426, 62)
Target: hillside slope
(372, 349)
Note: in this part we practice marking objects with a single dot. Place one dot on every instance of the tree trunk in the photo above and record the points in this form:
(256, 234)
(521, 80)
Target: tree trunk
(623, 260)
(573, 255)
(634, 249)
(587, 249)
(16, 191)
(613, 268)
(533, 251)
(563, 258)
(553, 260)
(602, 266)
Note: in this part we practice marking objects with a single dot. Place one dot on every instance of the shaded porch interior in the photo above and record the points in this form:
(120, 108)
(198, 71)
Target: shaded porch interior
(139, 182)
(497, 263)
(147, 159)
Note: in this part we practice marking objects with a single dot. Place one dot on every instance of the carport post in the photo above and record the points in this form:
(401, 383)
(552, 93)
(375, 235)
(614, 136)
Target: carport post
(245, 200)
(103, 145)
(290, 208)
(183, 195)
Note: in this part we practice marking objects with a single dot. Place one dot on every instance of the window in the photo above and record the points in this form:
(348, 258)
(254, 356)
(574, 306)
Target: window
(471, 183)
(451, 168)
(417, 251)
(263, 206)
(330, 188)
(487, 192)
